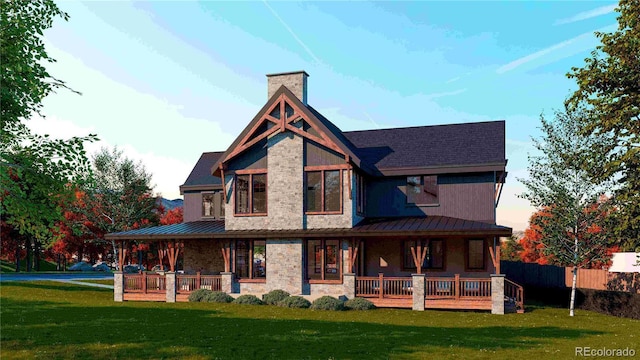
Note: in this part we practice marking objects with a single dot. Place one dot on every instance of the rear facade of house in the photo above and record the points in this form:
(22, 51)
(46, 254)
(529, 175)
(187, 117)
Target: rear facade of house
(405, 217)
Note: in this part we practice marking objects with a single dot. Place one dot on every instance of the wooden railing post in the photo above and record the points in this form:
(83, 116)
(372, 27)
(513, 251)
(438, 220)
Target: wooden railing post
(380, 285)
(197, 280)
(456, 289)
(144, 282)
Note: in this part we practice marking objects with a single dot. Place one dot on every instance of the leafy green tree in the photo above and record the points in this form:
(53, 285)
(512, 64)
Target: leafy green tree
(120, 196)
(574, 229)
(35, 170)
(609, 89)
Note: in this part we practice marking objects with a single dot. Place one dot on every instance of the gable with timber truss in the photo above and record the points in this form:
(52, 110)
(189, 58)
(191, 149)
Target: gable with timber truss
(284, 112)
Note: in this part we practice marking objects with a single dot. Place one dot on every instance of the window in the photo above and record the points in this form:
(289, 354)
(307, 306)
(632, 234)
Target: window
(434, 257)
(475, 254)
(323, 191)
(360, 194)
(323, 260)
(222, 205)
(251, 259)
(208, 204)
(251, 194)
(422, 190)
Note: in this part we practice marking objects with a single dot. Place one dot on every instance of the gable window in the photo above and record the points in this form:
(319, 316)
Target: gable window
(422, 190)
(323, 191)
(360, 194)
(251, 259)
(434, 256)
(323, 260)
(475, 254)
(208, 204)
(251, 194)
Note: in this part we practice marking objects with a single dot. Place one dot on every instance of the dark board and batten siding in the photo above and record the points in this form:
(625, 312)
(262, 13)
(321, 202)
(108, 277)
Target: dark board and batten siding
(315, 154)
(468, 197)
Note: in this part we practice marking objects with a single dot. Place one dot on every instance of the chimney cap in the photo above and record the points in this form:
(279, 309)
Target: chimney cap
(288, 73)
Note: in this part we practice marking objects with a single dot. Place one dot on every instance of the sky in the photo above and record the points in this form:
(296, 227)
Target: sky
(165, 81)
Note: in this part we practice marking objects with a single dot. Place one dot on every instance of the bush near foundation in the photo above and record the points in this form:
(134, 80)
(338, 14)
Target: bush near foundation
(199, 295)
(327, 303)
(297, 302)
(247, 300)
(359, 304)
(218, 297)
(274, 297)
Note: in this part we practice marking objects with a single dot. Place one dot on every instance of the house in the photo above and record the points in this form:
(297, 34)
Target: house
(405, 216)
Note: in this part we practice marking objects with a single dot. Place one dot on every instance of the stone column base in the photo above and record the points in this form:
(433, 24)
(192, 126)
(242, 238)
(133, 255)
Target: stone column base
(497, 294)
(170, 281)
(349, 283)
(418, 291)
(118, 286)
(226, 282)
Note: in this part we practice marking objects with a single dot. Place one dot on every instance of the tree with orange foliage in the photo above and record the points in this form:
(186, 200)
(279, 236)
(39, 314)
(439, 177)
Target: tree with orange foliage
(532, 244)
(173, 216)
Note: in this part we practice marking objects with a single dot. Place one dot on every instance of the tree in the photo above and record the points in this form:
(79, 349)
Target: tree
(35, 170)
(574, 230)
(531, 243)
(609, 89)
(121, 195)
(510, 249)
(173, 216)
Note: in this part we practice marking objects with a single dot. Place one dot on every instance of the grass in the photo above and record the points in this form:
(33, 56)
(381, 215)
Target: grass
(102, 281)
(10, 266)
(55, 320)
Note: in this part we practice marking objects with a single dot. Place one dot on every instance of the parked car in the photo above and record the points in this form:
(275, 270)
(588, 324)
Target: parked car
(133, 268)
(101, 267)
(81, 266)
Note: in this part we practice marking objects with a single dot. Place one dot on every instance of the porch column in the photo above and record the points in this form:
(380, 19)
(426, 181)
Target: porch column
(118, 286)
(349, 283)
(170, 278)
(226, 282)
(418, 291)
(497, 294)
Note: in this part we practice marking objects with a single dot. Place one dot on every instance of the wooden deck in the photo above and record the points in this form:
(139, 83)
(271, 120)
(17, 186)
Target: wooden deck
(145, 297)
(433, 304)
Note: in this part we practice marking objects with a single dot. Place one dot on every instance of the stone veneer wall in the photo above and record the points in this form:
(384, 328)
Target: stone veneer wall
(203, 255)
(284, 265)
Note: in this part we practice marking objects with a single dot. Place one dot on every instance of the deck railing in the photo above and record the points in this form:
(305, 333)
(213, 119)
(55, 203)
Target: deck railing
(457, 288)
(144, 283)
(515, 293)
(394, 287)
(188, 283)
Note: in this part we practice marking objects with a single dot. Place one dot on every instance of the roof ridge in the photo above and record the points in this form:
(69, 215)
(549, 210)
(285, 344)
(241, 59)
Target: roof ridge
(426, 126)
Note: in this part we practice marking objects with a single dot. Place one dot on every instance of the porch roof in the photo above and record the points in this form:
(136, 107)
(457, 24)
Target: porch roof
(370, 227)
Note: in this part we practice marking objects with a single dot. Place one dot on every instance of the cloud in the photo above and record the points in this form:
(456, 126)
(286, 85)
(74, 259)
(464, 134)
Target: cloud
(603, 10)
(578, 44)
(443, 94)
(452, 80)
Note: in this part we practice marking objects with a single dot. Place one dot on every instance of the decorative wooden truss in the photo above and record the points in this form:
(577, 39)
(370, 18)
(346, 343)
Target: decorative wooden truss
(283, 121)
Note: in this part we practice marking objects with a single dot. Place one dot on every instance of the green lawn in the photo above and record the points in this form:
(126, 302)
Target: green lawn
(102, 281)
(55, 320)
(10, 266)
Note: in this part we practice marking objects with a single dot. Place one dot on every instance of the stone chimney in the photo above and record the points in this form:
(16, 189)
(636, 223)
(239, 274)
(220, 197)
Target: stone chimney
(296, 81)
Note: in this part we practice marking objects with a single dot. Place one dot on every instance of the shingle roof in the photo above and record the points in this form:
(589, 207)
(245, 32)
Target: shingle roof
(201, 173)
(431, 146)
(400, 226)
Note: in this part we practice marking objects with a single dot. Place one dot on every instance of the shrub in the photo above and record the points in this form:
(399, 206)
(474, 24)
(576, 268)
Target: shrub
(248, 300)
(359, 304)
(199, 295)
(295, 302)
(274, 297)
(218, 297)
(327, 303)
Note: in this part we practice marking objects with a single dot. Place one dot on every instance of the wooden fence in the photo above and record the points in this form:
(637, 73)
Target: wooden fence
(533, 274)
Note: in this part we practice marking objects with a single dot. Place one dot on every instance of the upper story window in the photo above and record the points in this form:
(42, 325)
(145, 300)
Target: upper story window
(211, 201)
(323, 191)
(422, 190)
(251, 194)
(361, 194)
(434, 256)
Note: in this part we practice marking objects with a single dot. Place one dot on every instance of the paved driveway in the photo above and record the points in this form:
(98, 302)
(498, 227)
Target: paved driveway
(68, 277)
